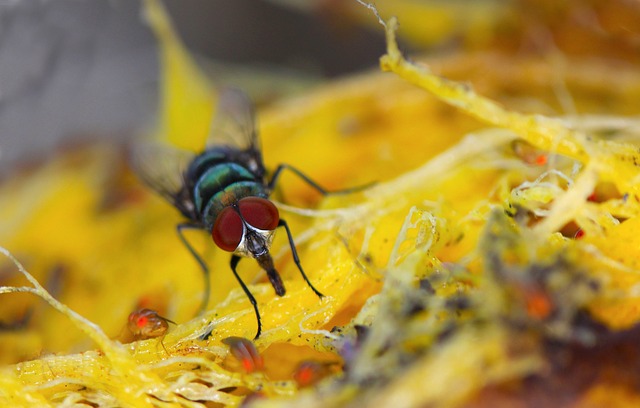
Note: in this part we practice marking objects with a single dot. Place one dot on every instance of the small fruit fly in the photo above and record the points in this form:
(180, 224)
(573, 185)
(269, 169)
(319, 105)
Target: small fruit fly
(529, 154)
(310, 372)
(147, 323)
(246, 353)
(224, 190)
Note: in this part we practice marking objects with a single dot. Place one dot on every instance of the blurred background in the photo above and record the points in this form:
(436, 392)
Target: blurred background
(80, 70)
(74, 71)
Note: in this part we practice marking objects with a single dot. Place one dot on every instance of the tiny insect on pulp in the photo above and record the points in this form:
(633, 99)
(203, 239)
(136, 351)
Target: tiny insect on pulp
(225, 190)
(246, 353)
(147, 323)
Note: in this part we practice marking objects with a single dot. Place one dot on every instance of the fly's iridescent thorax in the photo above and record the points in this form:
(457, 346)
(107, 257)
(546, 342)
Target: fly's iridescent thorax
(220, 177)
(248, 158)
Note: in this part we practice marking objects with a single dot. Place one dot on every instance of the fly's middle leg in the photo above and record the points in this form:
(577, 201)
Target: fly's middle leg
(203, 266)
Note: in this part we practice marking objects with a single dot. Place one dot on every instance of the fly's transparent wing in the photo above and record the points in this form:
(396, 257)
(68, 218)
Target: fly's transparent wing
(162, 167)
(233, 124)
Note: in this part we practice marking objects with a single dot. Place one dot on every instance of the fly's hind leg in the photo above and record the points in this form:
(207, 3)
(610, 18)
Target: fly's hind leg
(316, 186)
(203, 266)
(321, 190)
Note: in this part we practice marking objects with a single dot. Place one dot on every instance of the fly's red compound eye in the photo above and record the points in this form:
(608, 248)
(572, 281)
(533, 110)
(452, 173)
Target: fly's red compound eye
(227, 231)
(259, 213)
(137, 321)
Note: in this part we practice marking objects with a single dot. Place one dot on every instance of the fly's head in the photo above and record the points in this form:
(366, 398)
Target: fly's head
(255, 242)
(246, 227)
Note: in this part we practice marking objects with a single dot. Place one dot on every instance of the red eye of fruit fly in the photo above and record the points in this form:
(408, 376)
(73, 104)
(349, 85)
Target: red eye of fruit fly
(227, 231)
(142, 322)
(259, 213)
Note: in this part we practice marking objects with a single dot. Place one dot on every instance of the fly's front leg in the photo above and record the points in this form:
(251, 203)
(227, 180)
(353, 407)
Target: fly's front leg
(203, 266)
(316, 186)
(234, 263)
(294, 252)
